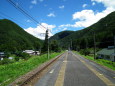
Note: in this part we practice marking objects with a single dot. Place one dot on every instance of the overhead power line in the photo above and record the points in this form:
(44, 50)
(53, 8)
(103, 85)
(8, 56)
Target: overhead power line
(11, 18)
(25, 13)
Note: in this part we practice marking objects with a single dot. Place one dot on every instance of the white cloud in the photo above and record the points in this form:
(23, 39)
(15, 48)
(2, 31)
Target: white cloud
(64, 29)
(34, 2)
(107, 3)
(39, 31)
(89, 17)
(86, 18)
(51, 15)
(93, 3)
(84, 5)
(67, 25)
(29, 21)
(61, 7)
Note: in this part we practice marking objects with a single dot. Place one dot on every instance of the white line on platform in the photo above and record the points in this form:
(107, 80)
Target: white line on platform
(100, 74)
(64, 61)
(51, 71)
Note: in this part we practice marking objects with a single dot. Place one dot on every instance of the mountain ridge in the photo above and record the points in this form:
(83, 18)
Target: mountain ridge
(14, 38)
(104, 30)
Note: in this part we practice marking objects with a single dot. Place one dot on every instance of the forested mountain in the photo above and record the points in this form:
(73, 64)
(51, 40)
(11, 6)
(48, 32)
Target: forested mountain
(14, 38)
(55, 40)
(104, 33)
(61, 35)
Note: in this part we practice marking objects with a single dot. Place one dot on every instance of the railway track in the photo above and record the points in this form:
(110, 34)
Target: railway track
(31, 75)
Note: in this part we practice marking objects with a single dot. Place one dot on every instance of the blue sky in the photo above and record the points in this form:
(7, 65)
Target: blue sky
(56, 15)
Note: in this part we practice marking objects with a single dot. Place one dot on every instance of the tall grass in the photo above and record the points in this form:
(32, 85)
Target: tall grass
(10, 72)
(103, 62)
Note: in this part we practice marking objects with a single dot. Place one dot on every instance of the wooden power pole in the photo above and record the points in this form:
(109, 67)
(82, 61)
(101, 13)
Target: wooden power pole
(94, 47)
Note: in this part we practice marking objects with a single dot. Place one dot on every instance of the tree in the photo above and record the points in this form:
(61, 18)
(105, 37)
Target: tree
(37, 45)
(85, 51)
(54, 46)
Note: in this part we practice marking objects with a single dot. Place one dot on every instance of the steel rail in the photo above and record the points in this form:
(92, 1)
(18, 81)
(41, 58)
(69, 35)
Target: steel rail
(40, 70)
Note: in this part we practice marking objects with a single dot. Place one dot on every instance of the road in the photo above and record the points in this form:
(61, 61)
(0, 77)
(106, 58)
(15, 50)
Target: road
(74, 70)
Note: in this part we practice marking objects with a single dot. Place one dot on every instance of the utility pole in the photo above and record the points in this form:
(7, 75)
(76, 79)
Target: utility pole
(114, 44)
(86, 44)
(48, 46)
(71, 45)
(94, 46)
(45, 48)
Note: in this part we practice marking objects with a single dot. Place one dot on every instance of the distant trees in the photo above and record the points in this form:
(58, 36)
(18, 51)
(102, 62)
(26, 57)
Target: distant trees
(54, 46)
(104, 32)
(13, 38)
(85, 51)
(22, 55)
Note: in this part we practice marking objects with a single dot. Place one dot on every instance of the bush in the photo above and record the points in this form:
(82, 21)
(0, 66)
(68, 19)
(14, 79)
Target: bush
(25, 56)
(85, 51)
(7, 54)
(82, 51)
(17, 58)
(6, 61)
(22, 55)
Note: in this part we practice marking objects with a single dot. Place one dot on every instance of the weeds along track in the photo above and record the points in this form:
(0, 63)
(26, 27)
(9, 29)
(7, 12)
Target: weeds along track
(24, 80)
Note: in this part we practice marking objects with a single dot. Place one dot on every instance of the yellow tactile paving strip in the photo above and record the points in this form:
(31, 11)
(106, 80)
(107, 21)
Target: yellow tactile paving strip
(60, 78)
(101, 76)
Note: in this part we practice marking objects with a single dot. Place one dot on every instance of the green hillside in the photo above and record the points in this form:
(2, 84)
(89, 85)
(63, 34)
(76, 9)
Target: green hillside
(61, 35)
(14, 38)
(104, 30)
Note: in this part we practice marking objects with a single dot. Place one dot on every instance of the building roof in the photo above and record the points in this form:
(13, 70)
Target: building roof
(113, 54)
(29, 51)
(2, 53)
(106, 51)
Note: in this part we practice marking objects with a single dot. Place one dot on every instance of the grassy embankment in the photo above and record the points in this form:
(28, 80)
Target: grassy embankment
(103, 62)
(10, 72)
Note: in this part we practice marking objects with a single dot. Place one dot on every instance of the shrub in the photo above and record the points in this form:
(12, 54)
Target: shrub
(81, 51)
(22, 55)
(25, 56)
(85, 51)
(6, 61)
(17, 58)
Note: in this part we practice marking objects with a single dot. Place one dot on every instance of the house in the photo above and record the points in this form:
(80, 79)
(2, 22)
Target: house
(32, 52)
(2, 55)
(113, 57)
(107, 53)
